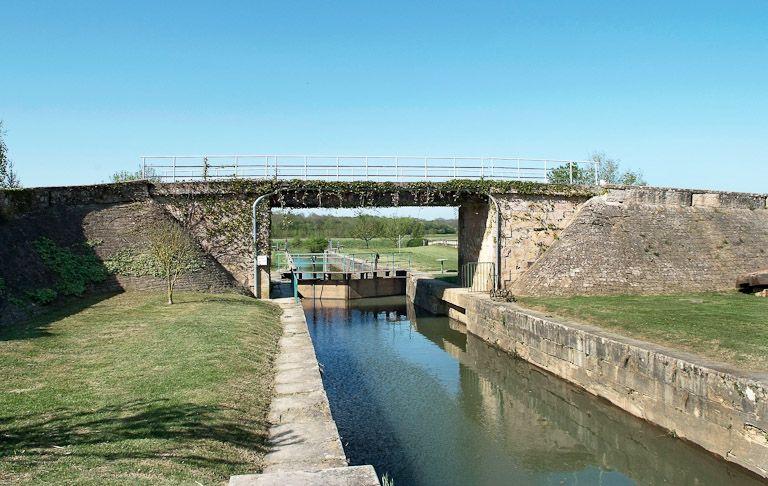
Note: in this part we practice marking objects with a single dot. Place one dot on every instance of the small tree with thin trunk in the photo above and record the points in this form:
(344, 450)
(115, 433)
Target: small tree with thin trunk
(173, 254)
(8, 177)
(366, 228)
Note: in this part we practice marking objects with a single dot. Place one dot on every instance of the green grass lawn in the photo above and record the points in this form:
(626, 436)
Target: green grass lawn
(423, 258)
(730, 327)
(130, 390)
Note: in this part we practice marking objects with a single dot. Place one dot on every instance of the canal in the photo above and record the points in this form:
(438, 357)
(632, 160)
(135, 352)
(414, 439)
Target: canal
(423, 401)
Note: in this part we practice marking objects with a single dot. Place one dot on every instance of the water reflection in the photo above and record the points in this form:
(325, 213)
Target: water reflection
(417, 397)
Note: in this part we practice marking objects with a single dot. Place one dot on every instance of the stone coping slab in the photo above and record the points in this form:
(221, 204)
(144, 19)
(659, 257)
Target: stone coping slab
(342, 476)
(305, 447)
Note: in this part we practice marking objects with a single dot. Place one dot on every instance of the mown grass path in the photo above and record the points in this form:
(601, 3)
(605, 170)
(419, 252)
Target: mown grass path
(730, 327)
(131, 390)
(424, 258)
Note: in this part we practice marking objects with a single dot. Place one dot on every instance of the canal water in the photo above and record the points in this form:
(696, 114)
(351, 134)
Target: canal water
(421, 400)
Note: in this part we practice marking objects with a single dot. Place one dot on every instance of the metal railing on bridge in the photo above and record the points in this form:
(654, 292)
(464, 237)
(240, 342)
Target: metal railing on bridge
(478, 276)
(395, 168)
(330, 265)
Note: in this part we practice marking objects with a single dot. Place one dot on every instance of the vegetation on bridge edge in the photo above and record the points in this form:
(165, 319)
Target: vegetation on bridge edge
(456, 187)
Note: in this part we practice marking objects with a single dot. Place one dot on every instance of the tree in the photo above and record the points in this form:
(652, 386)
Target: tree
(417, 231)
(609, 171)
(394, 228)
(127, 176)
(317, 244)
(571, 173)
(172, 253)
(8, 177)
(296, 243)
(366, 228)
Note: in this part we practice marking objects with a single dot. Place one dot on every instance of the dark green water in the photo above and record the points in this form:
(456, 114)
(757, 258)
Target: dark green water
(426, 403)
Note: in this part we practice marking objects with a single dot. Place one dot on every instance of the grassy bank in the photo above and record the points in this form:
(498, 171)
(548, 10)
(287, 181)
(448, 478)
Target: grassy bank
(423, 258)
(730, 327)
(130, 390)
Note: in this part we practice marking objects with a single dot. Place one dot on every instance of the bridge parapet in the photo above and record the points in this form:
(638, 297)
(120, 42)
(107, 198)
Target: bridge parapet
(381, 168)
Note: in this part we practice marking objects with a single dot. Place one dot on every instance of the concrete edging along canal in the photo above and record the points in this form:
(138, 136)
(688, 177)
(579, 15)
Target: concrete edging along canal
(724, 411)
(305, 447)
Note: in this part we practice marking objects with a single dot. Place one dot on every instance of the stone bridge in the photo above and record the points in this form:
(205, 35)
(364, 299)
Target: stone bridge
(552, 239)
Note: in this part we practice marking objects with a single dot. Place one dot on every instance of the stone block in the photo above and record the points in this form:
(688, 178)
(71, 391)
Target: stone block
(341, 476)
(706, 200)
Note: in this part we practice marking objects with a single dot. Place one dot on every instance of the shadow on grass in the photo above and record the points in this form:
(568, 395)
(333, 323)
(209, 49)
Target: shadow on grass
(98, 433)
(39, 325)
(229, 299)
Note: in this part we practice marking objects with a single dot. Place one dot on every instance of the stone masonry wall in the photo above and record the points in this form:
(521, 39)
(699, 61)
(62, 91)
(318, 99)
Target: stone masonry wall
(530, 225)
(222, 226)
(554, 242)
(125, 227)
(721, 410)
(106, 228)
(652, 241)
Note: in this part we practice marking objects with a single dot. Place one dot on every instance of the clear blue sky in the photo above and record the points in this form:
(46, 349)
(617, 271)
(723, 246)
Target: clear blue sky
(676, 89)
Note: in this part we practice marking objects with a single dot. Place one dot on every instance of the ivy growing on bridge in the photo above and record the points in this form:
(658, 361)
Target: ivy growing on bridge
(219, 212)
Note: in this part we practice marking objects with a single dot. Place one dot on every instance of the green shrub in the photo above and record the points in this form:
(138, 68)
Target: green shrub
(132, 263)
(74, 271)
(296, 243)
(417, 231)
(17, 301)
(316, 245)
(414, 242)
(42, 296)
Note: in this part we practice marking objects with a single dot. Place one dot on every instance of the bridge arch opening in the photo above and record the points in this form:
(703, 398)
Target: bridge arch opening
(509, 241)
(356, 252)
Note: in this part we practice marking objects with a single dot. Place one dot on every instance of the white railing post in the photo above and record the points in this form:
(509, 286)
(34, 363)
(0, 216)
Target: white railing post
(454, 167)
(397, 169)
(367, 175)
(518, 170)
(597, 172)
(174, 169)
(482, 166)
(337, 168)
(237, 163)
(426, 175)
(545, 170)
(143, 167)
(276, 169)
(570, 171)
(305, 167)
